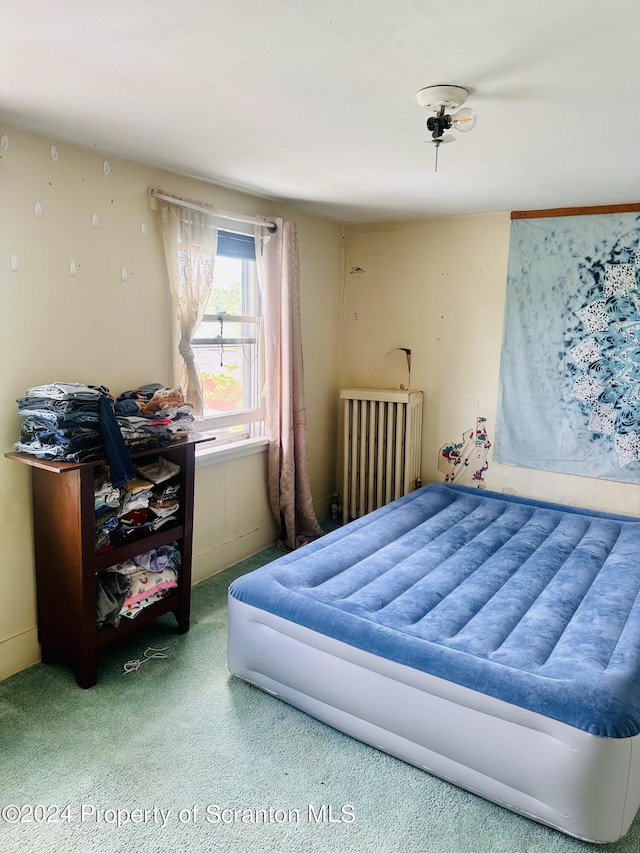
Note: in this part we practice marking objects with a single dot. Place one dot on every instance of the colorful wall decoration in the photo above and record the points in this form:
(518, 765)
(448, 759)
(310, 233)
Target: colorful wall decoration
(465, 462)
(569, 396)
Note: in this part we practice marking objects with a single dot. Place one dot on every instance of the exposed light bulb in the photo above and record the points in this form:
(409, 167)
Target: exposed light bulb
(464, 120)
(439, 99)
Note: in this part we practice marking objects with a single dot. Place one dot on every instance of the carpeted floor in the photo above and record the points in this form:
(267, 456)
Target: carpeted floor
(179, 756)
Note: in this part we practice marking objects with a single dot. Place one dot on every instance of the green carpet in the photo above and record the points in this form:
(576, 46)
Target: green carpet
(157, 760)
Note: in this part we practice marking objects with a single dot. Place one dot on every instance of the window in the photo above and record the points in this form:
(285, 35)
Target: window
(228, 342)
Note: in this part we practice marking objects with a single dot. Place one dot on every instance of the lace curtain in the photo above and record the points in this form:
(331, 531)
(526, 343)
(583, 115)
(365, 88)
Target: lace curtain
(190, 242)
(289, 489)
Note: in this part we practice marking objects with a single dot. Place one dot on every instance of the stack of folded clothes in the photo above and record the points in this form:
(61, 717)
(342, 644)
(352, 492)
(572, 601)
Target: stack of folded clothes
(163, 503)
(73, 422)
(107, 504)
(61, 421)
(153, 416)
(144, 504)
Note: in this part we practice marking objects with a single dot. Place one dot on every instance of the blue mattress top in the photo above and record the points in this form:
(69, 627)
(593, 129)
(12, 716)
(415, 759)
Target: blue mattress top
(533, 603)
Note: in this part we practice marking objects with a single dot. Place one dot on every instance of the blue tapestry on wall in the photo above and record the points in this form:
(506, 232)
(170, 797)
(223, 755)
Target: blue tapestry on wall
(569, 396)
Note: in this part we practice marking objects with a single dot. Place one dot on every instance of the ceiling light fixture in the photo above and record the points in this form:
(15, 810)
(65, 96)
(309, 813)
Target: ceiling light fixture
(439, 99)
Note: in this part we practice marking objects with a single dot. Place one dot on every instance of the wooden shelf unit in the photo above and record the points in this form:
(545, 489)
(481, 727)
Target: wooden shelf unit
(66, 559)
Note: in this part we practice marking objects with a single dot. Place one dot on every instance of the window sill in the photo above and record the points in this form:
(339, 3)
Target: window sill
(230, 450)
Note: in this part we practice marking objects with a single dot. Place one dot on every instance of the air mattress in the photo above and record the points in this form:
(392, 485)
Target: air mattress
(492, 640)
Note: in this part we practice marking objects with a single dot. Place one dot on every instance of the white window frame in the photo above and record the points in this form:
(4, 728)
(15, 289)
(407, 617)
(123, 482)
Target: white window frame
(252, 417)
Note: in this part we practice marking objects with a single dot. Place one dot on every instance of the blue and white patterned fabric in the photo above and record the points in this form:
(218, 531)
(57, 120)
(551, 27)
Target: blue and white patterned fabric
(569, 396)
(529, 602)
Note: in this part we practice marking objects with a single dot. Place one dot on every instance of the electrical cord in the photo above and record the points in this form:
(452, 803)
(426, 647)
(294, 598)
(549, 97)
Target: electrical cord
(134, 665)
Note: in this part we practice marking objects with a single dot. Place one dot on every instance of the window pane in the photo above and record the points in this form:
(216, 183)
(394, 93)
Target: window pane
(222, 384)
(229, 360)
(226, 293)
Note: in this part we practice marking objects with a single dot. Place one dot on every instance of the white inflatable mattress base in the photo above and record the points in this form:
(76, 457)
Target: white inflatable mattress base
(581, 784)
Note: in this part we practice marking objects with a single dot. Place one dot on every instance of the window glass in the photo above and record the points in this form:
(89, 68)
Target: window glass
(227, 344)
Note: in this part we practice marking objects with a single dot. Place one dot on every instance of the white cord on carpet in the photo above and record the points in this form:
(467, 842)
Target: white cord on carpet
(134, 665)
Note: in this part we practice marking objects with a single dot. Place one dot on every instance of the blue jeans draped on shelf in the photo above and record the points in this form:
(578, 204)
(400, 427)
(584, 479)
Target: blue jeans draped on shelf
(119, 459)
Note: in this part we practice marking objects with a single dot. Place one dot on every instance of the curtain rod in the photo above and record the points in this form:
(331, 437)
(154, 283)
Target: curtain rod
(222, 214)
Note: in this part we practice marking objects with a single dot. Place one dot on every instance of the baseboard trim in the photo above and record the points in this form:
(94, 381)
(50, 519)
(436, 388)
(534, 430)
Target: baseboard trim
(19, 652)
(215, 560)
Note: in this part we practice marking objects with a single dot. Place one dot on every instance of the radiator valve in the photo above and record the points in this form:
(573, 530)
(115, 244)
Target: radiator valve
(336, 506)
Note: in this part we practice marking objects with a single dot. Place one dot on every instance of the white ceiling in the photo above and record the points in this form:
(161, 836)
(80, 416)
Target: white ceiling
(313, 101)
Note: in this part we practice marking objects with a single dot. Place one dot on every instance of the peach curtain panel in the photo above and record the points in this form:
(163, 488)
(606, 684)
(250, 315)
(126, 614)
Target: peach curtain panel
(289, 489)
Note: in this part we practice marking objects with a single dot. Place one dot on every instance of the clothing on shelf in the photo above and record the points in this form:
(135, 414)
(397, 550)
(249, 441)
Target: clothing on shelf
(138, 506)
(111, 592)
(106, 494)
(73, 422)
(66, 391)
(117, 452)
(135, 495)
(127, 588)
(159, 470)
(61, 421)
(152, 415)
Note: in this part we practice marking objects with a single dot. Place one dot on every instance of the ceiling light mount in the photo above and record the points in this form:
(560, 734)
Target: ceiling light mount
(447, 96)
(439, 99)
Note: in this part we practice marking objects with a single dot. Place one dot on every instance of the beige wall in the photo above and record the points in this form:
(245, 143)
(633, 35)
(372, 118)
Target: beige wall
(94, 328)
(438, 287)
